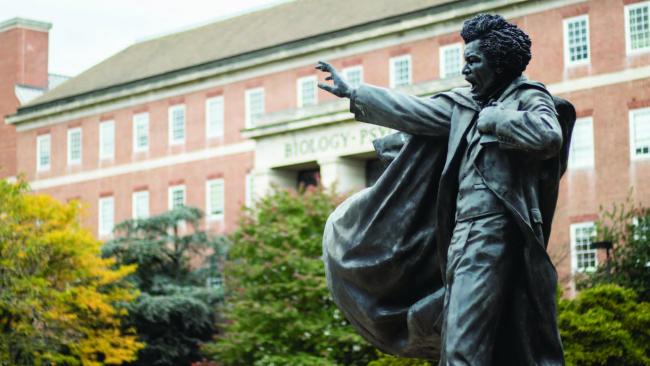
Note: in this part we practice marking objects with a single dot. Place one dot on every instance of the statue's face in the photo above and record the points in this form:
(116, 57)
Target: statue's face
(483, 78)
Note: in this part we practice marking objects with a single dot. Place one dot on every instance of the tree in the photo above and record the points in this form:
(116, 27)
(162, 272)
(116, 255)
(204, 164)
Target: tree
(278, 307)
(605, 325)
(175, 312)
(60, 302)
(627, 226)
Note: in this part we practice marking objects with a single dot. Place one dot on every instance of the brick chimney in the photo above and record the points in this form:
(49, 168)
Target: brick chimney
(23, 62)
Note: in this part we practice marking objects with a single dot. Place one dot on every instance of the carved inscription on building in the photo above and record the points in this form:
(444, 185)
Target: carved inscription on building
(332, 142)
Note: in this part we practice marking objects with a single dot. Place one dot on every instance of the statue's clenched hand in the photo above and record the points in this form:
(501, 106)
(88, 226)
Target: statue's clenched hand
(339, 87)
(488, 118)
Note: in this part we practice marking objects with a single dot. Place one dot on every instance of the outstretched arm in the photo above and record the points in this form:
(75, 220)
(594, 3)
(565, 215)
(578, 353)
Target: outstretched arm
(402, 112)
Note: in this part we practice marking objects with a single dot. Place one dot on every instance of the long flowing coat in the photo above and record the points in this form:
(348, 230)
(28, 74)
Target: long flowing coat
(385, 248)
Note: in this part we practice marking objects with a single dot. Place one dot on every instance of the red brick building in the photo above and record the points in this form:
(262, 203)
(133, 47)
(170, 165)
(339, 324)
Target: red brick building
(210, 115)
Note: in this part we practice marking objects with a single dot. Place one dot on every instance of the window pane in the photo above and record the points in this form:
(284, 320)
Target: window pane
(141, 132)
(641, 132)
(639, 27)
(43, 146)
(74, 146)
(107, 140)
(577, 40)
(215, 116)
(584, 256)
(306, 91)
(582, 144)
(177, 197)
(451, 60)
(401, 71)
(177, 124)
(106, 212)
(215, 198)
(140, 205)
(353, 75)
(254, 106)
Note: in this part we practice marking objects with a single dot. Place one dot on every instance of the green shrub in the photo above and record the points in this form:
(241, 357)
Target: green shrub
(278, 307)
(605, 325)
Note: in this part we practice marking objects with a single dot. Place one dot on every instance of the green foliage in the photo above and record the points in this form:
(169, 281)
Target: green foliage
(605, 325)
(176, 311)
(58, 297)
(388, 360)
(278, 310)
(628, 227)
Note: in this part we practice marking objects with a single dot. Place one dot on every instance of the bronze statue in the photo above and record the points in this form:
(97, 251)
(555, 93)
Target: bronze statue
(445, 256)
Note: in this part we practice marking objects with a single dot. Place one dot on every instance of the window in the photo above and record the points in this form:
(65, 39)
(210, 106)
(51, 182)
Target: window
(107, 140)
(400, 71)
(581, 154)
(74, 146)
(637, 27)
(576, 40)
(141, 132)
(215, 199)
(583, 257)
(140, 204)
(640, 133)
(451, 60)
(43, 147)
(176, 196)
(250, 190)
(177, 124)
(106, 218)
(307, 95)
(214, 116)
(353, 75)
(254, 106)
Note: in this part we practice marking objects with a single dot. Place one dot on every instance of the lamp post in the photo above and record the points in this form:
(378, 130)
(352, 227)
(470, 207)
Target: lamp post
(607, 245)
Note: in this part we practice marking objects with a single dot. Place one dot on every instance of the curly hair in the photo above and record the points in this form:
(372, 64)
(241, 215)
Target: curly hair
(505, 46)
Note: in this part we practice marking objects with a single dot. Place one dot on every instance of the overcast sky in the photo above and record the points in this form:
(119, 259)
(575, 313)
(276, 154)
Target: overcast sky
(84, 32)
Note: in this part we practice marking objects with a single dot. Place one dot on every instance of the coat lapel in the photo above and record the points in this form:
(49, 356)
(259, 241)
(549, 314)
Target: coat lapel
(460, 125)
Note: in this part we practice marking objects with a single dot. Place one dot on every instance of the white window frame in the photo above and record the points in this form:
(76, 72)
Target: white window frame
(212, 131)
(249, 194)
(140, 119)
(208, 204)
(170, 119)
(170, 195)
(134, 204)
(574, 254)
(105, 154)
(348, 70)
(71, 160)
(567, 54)
(105, 224)
(299, 83)
(443, 63)
(392, 62)
(40, 140)
(586, 164)
(628, 40)
(632, 116)
(249, 122)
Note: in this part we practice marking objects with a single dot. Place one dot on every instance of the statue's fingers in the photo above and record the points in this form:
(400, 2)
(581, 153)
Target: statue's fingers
(325, 66)
(326, 87)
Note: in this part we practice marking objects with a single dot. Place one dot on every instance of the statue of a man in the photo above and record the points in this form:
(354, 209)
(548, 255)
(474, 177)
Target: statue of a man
(495, 198)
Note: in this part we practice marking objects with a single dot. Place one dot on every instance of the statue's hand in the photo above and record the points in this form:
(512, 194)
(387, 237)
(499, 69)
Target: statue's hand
(487, 119)
(339, 87)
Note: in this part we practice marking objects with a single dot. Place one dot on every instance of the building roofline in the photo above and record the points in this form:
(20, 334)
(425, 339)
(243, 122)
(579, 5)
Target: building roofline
(19, 22)
(231, 59)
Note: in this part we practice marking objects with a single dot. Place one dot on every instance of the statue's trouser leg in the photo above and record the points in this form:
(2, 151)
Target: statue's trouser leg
(480, 259)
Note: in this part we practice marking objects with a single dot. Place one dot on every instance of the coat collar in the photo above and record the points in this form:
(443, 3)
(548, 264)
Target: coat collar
(463, 96)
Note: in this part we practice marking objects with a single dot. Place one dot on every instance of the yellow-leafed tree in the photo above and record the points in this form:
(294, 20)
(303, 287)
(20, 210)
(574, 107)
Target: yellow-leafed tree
(60, 301)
